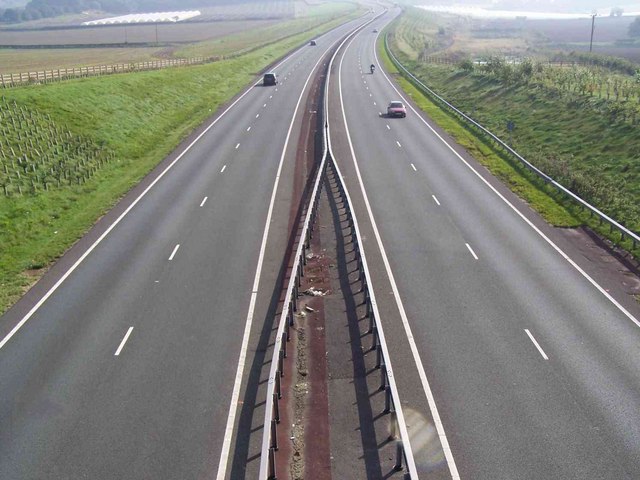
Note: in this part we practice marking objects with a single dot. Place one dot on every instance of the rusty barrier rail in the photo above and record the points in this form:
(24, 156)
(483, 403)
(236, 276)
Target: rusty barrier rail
(603, 218)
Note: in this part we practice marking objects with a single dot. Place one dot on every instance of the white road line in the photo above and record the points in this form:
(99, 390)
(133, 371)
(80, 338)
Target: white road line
(204, 200)
(403, 314)
(235, 394)
(371, 94)
(263, 106)
(175, 250)
(436, 200)
(414, 167)
(257, 115)
(398, 144)
(104, 234)
(388, 127)
(223, 169)
(375, 103)
(471, 250)
(561, 252)
(270, 96)
(124, 340)
(237, 146)
(248, 128)
(544, 355)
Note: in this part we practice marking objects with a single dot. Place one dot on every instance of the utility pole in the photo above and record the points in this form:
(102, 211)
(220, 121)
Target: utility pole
(593, 24)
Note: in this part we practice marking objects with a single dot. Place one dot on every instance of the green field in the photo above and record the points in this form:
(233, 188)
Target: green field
(586, 141)
(133, 120)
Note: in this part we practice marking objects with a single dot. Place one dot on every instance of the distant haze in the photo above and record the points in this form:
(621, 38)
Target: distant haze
(603, 7)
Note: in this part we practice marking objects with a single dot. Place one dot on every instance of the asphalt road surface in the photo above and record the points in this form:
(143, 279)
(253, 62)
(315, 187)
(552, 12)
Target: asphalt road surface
(127, 369)
(534, 373)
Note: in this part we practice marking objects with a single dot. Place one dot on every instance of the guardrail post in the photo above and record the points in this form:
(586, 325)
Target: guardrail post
(276, 408)
(383, 376)
(278, 385)
(387, 399)
(274, 432)
(399, 454)
(374, 339)
(283, 342)
(281, 363)
(272, 464)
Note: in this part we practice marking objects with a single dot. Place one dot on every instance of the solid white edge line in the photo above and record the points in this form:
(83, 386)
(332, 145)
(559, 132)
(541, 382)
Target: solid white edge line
(124, 340)
(204, 200)
(544, 355)
(435, 199)
(228, 432)
(471, 250)
(453, 469)
(223, 169)
(71, 269)
(173, 254)
(628, 314)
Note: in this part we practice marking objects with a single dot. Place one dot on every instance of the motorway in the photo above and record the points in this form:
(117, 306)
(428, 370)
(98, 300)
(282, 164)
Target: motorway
(127, 359)
(138, 362)
(528, 371)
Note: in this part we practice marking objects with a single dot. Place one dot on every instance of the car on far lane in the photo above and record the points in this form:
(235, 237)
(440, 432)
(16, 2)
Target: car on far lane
(375, 30)
(312, 43)
(269, 79)
(396, 109)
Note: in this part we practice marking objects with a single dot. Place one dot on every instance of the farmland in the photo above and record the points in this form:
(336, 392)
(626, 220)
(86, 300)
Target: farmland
(136, 43)
(576, 122)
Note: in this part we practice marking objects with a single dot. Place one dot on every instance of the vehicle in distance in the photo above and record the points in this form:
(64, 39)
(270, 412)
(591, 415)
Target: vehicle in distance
(269, 79)
(396, 109)
(312, 43)
(375, 30)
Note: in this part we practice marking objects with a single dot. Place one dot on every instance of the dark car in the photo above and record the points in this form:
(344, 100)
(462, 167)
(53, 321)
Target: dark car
(312, 43)
(396, 109)
(269, 79)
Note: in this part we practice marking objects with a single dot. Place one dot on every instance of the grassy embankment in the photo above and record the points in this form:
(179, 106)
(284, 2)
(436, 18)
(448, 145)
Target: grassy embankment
(576, 137)
(136, 119)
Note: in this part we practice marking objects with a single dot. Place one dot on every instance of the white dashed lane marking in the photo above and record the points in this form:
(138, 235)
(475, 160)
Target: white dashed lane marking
(175, 250)
(435, 200)
(124, 340)
(544, 355)
(204, 200)
(471, 250)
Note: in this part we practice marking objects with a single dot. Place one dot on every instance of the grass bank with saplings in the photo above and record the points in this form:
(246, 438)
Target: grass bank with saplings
(125, 123)
(586, 141)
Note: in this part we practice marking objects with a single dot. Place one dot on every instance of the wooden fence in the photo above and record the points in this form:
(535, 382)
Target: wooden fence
(18, 79)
